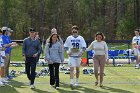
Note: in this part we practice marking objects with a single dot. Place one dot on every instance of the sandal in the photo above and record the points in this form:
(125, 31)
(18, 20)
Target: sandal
(101, 85)
(96, 83)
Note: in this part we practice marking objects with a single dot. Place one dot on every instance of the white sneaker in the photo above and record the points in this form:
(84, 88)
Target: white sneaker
(57, 87)
(32, 86)
(76, 84)
(4, 80)
(1, 84)
(52, 86)
(137, 66)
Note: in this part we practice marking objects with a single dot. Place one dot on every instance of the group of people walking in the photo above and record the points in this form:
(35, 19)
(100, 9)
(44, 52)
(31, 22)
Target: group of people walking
(74, 46)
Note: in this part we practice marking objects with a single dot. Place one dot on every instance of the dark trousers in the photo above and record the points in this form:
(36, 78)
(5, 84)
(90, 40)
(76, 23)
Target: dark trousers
(38, 57)
(30, 67)
(54, 74)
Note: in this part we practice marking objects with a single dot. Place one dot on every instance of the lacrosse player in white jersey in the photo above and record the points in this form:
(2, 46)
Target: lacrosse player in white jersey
(75, 46)
(136, 39)
(2, 57)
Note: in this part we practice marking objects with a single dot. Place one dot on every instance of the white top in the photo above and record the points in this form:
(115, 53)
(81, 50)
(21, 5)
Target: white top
(2, 53)
(136, 39)
(75, 45)
(1, 42)
(99, 48)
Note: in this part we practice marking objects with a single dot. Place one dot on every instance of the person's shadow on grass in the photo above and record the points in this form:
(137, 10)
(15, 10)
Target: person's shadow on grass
(17, 84)
(8, 89)
(22, 85)
(115, 90)
(39, 91)
(78, 89)
(90, 90)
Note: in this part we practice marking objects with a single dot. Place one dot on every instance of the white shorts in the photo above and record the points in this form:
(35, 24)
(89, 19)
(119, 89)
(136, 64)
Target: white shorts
(2, 54)
(136, 51)
(74, 62)
(1, 64)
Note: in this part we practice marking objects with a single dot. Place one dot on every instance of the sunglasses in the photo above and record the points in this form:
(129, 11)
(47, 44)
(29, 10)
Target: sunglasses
(74, 32)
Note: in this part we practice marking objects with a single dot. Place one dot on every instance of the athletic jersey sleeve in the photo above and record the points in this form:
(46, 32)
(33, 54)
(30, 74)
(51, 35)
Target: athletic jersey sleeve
(138, 42)
(83, 44)
(133, 40)
(66, 44)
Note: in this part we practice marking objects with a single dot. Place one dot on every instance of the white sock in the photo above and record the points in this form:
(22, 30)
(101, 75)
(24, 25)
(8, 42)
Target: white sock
(71, 81)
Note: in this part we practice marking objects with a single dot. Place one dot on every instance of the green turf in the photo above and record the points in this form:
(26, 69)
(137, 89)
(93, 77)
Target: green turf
(124, 79)
(117, 80)
(16, 54)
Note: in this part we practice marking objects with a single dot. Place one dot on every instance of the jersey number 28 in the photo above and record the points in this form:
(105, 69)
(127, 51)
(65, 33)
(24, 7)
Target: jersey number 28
(75, 45)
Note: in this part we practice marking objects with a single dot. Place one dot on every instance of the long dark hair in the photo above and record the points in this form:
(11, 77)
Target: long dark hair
(50, 40)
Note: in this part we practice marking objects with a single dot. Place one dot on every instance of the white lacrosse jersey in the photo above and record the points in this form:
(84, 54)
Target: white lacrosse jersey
(1, 42)
(75, 45)
(136, 39)
(2, 53)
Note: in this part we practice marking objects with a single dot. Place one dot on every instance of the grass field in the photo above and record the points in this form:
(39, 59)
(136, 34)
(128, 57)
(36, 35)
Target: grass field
(117, 80)
(125, 79)
(16, 54)
(17, 51)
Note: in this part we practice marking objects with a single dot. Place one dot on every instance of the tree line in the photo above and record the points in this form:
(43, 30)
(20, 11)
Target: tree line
(117, 19)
